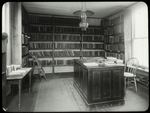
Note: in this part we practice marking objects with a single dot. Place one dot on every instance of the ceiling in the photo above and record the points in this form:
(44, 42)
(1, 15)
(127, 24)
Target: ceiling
(101, 9)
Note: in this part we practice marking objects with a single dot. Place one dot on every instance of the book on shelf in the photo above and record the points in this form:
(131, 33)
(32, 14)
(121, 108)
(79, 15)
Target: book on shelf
(93, 38)
(114, 30)
(93, 46)
(117, 55)
(93, 53)
(24, 60)
(41, 37)
(24, 39)
(33, 18)
(41, 28)
(115, 47)
(66, 29)
(25, 50)
(40, 19)
(34, 45)
(67, 45)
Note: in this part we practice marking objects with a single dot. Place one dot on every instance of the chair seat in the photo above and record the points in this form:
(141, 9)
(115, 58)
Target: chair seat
(127, 74)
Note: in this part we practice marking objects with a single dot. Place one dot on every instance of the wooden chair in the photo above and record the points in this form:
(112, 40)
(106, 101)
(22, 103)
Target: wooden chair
(130, 72)
(36, 65)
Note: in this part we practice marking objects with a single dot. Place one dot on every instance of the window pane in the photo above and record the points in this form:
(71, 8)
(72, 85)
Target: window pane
(140, 51)
(141, 22)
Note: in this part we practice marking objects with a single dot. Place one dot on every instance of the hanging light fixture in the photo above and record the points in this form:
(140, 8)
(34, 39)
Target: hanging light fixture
(83, 15)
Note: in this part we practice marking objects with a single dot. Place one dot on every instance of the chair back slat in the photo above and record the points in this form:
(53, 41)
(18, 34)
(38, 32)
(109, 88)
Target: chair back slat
(131, 65)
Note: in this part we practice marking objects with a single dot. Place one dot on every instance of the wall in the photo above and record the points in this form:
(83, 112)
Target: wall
(12, 26)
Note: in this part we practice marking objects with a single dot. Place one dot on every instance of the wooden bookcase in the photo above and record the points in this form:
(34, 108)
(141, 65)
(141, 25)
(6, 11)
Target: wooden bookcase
(93, 42)
(24, 38)
(114, 37)
(57, 40)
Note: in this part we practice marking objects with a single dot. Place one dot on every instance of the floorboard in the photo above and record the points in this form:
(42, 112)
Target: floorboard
(59, 94)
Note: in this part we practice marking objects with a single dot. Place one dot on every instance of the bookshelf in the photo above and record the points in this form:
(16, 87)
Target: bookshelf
(57, 40)
(114, 37)
(67, 43)
(24, 38)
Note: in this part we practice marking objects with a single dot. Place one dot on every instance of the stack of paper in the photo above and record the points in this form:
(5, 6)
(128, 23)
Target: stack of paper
(91, 64)
(27, 69)
(118, 61)
(17, 73)
(112, 58)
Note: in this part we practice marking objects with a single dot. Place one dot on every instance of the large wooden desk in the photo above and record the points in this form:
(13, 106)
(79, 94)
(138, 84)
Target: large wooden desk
(18, 80)
(102, 85)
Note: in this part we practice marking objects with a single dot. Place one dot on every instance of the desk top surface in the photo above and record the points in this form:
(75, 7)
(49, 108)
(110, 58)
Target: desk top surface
(95, 64)
(17, 76)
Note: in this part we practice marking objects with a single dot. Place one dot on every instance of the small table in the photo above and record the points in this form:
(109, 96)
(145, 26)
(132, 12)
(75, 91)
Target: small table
(18, 80)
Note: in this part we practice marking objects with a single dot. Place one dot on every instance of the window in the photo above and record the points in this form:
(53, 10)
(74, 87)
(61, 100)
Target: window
(140, 35)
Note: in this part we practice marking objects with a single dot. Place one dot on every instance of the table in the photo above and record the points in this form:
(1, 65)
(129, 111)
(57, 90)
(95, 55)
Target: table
(18, 80)
(99, 85)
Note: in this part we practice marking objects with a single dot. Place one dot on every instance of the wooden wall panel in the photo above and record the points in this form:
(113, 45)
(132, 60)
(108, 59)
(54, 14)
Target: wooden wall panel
(106, 81)
(96, 85)
(85, 83)
(116, 83)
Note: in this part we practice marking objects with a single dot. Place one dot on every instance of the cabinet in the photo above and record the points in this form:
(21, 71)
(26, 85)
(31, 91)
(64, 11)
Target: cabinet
(99, 85)
(4, 51)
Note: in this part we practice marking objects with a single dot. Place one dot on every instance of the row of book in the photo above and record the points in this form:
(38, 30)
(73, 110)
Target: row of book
(24, 15)
(114, 47)
(114, 30)
(49, 20)
(93, 38)
(33, 45)
(50, 62)
(41, 37)
(41, 28)
(117, 55)
(114, 39)
(67, 45)
(93, 46)
(115, 21)
(40, 19)
(94, 31)
(25, 50)
(93, 53)
(24, 39)
(66, 37)
(65, 29)
(40, 45)
(67, 53)
(66, 21)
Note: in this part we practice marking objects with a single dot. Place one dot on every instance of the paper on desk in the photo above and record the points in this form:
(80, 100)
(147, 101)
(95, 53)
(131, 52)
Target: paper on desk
(27, 69)
(15, 74)
(91, 64)
(21, 72)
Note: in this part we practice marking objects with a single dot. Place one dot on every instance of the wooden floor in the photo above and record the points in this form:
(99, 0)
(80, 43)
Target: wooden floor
(59, 94)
